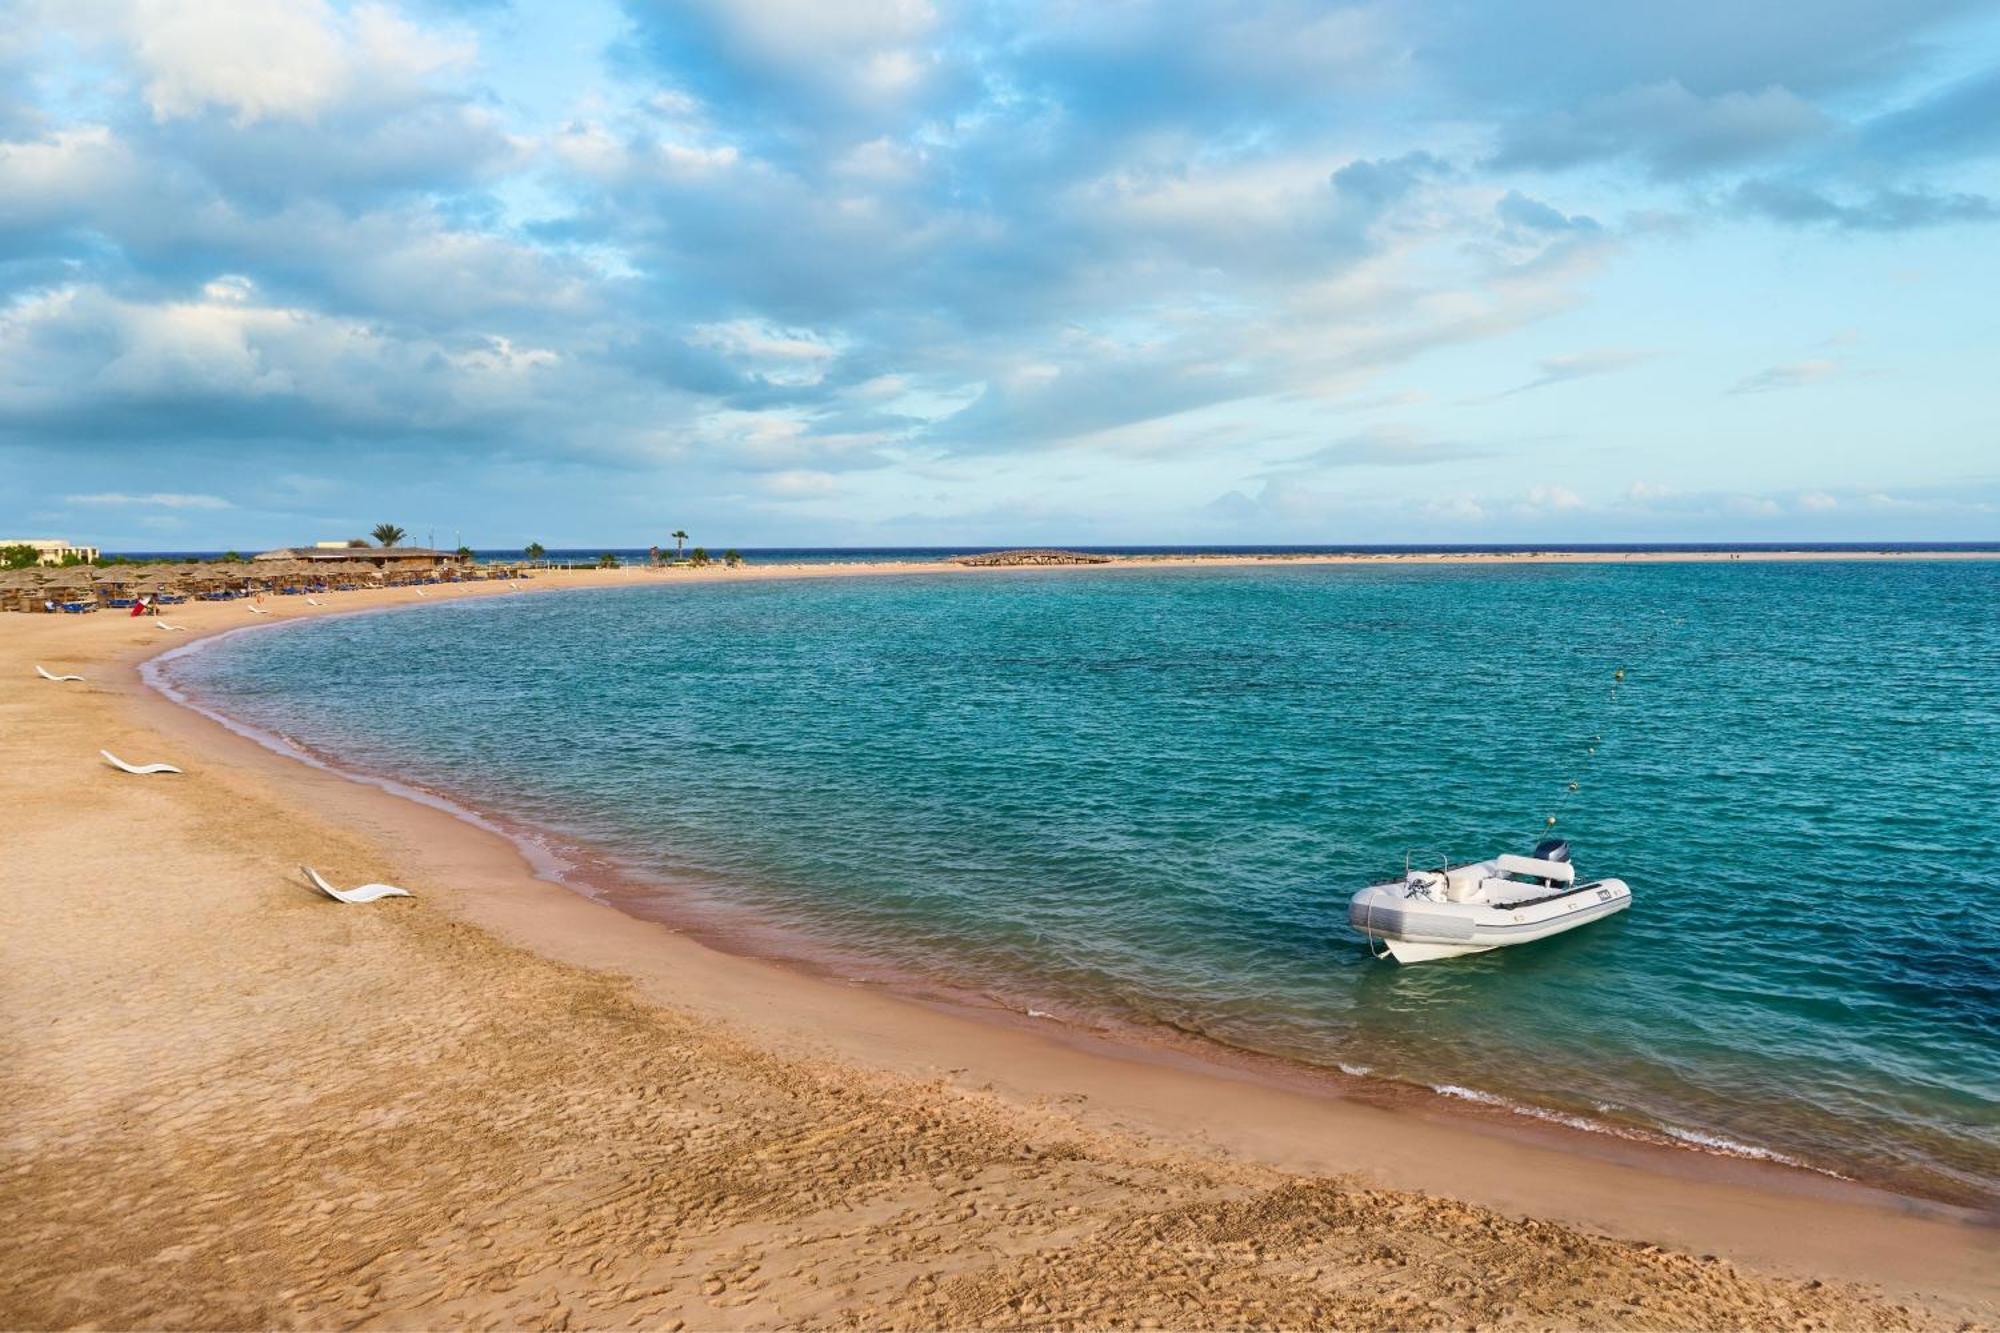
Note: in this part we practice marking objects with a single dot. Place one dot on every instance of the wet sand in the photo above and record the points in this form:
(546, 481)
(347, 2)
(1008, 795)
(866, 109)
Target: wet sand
(225, 1101)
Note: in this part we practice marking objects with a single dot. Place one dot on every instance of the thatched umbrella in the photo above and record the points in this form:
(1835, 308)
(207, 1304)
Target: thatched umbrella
(162, 581)
(210, 578)
(112, 582)
(347, 573)
(18, 588)
(66, 585)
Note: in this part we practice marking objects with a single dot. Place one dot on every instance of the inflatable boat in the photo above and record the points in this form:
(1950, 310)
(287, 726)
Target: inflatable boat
(1455, 910)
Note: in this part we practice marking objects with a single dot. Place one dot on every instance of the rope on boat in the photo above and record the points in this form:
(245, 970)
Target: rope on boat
(1369, 931)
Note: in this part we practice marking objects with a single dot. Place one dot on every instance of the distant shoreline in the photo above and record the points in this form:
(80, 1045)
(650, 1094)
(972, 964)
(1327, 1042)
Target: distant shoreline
(1247, 552)
(246, 578)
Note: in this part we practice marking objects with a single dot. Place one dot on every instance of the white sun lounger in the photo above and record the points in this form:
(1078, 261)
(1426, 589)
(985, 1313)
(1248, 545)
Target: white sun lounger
(314, 601)
(257, 611)
(141, 769)
(178, 629)
(43, 672)
(366, 893)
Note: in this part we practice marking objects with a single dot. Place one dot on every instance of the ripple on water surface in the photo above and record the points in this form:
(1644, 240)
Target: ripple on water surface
(1148, 795)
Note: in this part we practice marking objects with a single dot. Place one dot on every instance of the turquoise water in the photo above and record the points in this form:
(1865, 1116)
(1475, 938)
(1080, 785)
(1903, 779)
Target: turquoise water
(1147, 796)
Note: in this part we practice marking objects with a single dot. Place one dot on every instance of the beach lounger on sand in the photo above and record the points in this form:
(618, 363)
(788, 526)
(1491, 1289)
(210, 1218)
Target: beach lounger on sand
(141, 769)
(257, 611)
(43, 672)
(161, 624)
(366, 893)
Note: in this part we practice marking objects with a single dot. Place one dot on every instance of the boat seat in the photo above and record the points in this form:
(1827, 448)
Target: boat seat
(1557, 872)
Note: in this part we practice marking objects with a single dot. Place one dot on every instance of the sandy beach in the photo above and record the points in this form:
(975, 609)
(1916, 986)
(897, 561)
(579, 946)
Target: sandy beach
(229, 1102)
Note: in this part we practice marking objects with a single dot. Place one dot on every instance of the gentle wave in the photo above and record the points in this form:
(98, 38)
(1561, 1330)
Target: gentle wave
(1712, 1143)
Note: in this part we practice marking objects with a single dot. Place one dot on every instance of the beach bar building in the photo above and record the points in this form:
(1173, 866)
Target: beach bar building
(389, 559)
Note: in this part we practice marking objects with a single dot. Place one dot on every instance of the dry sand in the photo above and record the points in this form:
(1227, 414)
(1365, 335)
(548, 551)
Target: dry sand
(226, 1102)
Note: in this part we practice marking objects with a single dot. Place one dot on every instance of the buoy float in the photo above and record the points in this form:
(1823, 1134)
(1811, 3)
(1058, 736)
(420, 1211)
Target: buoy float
(1572, 786)
(1619, 674)
(1552, 821)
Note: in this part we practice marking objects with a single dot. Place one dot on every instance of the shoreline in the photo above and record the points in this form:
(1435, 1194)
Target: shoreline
(741, 933)
(1768, 1216)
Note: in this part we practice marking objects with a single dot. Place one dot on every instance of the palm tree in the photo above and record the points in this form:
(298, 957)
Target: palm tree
(679, 537)
(535, 551)
(463, 553)
(388, 534)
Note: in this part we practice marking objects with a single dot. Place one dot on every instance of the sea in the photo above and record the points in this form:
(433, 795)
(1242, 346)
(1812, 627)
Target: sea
(1139, 799)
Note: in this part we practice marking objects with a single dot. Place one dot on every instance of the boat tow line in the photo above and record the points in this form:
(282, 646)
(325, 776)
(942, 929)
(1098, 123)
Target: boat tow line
(1573, 786)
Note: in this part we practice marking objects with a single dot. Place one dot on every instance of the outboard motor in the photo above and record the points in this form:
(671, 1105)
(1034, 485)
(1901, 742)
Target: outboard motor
(1553, 849)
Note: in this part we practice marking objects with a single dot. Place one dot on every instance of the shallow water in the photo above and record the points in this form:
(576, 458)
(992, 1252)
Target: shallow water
(1148, 795)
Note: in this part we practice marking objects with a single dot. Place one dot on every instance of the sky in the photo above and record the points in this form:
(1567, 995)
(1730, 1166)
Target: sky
(915, 272)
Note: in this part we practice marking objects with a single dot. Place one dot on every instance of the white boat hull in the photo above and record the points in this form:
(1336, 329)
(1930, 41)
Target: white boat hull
(1417, 929)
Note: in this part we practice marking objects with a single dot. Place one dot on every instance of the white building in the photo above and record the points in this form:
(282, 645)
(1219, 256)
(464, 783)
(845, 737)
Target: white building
(49, 551)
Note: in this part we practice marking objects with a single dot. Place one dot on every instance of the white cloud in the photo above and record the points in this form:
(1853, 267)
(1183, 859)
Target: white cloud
(1553, 499)
(1795, 375)
(1389, 446)
(1575, 366)
(1676, 130)
(253, 57)
(1459, 509)
(880, 161)
(798, 484)
(264, 59)
(157, 499)
(229, 289)
(782, 356)
(809, 31)
(48, 179)
(861, 51)
(500, 356)
(253, 360)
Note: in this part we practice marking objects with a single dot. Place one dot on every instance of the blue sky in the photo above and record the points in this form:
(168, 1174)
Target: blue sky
(906, 272)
